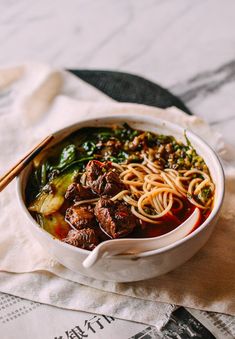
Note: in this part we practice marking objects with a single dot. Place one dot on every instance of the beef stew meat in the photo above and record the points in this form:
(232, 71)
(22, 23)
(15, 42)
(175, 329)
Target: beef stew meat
(103, 179)
(76, 192)
(115, 218)
(80, 217)
(85, 238)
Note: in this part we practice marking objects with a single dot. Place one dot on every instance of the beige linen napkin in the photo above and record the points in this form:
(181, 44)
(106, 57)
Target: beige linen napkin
(205, 282)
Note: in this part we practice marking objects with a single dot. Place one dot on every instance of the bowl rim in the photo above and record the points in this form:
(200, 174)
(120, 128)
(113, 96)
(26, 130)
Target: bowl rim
(134, 117)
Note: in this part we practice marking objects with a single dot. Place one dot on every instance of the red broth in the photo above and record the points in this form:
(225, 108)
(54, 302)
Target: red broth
(169, 223)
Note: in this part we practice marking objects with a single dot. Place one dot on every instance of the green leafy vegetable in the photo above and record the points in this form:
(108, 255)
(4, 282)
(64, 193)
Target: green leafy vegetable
(76, 163)
(67, 156)
(47, 204)
(44, 174)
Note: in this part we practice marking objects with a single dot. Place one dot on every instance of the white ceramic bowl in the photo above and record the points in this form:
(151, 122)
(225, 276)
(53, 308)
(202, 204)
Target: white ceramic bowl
(145, 265)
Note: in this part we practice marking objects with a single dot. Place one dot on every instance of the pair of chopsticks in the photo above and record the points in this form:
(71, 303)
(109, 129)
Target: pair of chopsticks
(20, 165)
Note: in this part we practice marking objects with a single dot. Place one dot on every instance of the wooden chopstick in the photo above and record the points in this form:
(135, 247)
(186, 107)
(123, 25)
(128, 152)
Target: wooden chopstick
(19, 166)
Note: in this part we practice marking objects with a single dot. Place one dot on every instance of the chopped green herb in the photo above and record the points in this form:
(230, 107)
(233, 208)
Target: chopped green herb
(89, 147)
(206, 193)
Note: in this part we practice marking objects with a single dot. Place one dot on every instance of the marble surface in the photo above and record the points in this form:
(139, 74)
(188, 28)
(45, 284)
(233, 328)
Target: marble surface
(186, 46)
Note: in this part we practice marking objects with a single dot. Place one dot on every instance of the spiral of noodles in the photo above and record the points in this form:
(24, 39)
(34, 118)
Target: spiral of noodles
(153, 192)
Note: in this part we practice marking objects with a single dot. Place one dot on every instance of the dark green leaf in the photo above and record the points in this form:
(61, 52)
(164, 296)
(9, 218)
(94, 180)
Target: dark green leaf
(79, 163)
(44, 174)
(67, 156)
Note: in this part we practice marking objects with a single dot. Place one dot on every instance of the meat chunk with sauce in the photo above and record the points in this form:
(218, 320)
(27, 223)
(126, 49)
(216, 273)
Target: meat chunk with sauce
(103, 179)
(77, 192)
(114, 217)
(80, 217)
(85, 238)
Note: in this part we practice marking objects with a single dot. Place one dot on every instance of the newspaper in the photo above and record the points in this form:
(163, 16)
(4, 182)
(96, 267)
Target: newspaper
(24, 319)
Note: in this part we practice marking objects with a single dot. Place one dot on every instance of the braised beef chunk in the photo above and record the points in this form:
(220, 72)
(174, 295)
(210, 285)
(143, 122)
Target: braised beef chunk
(113, 184)
(103, 179)
(84, 238)
(71, 192)
(80, 216)
(94, 169)
(76, 192)
(114, 217)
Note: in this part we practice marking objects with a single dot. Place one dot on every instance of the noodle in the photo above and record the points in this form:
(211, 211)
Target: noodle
(153, 193)
(88, 201)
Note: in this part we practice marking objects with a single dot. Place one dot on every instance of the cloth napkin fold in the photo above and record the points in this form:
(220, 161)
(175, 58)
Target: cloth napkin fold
(45, 100)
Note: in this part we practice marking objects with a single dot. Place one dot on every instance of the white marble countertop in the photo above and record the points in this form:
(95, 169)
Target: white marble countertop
(186, 46)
